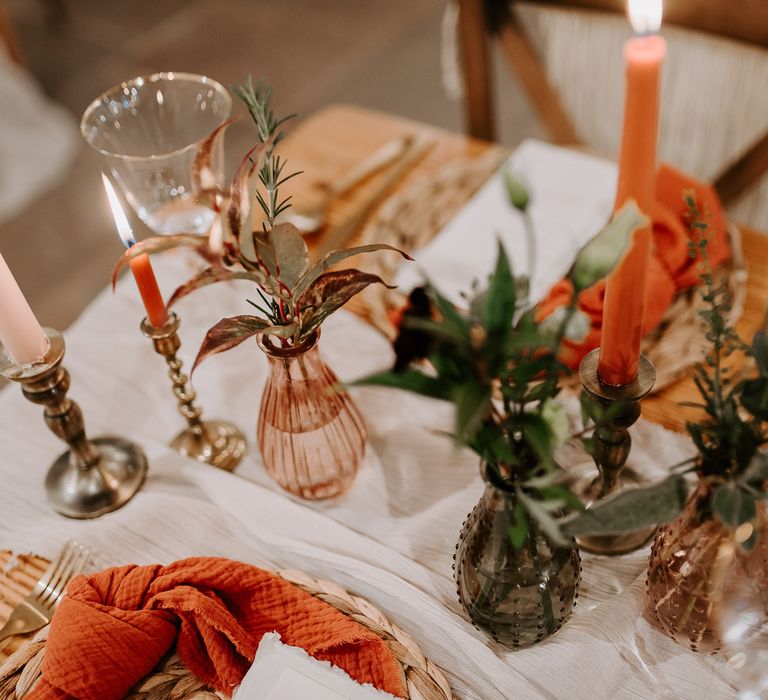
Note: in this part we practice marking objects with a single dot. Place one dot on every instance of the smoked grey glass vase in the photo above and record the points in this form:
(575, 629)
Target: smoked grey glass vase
(517, 596)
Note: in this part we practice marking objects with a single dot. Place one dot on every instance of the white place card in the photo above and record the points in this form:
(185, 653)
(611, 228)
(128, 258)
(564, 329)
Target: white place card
(282, 672)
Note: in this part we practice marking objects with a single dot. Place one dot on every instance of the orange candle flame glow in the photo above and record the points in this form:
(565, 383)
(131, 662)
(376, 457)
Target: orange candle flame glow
(141, 267)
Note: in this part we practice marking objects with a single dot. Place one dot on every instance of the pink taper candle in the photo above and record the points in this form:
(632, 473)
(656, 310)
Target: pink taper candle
(20, 332)
(625, 288)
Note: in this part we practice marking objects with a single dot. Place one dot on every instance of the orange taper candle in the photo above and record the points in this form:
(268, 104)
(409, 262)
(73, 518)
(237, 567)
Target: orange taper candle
(157, 314)
(625, 289)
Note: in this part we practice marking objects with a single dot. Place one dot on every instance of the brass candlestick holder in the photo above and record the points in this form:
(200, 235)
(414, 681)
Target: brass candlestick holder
(94, 476)
(215, 442)
(612, 447)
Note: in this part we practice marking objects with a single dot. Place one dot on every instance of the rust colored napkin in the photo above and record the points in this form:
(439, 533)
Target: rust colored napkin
(113, 628)
(670, 268)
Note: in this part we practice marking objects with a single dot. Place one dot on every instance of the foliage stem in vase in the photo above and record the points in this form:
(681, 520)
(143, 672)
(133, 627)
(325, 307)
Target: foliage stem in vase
(517, 574)
(715, 553)
(708, 568)
(311, 434)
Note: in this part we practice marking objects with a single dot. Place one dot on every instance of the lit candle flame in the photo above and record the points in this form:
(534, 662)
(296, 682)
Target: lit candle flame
(121, 220)
(645, 16)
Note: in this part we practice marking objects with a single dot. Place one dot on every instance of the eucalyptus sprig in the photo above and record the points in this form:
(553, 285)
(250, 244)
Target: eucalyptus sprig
(730, 437)
(295, 296)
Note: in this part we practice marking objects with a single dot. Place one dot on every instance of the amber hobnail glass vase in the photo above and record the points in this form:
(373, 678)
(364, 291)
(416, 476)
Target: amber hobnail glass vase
(697, 568)
(517, 596)
(310, 433)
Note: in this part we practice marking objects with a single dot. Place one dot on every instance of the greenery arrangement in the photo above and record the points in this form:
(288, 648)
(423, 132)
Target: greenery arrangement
(499, 365)
(729, 440)
(295, 297)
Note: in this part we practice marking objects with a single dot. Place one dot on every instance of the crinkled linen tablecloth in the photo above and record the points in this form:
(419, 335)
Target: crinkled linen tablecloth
(391, 539)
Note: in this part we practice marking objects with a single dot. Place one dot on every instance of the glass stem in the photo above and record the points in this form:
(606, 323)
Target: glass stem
(546, 601)
(486, 589)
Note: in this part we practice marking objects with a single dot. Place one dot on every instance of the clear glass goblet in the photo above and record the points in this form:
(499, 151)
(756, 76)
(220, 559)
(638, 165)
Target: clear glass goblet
(147, 131)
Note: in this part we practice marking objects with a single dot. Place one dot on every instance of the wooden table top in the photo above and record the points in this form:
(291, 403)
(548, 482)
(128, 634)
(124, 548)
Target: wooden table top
(330, 142)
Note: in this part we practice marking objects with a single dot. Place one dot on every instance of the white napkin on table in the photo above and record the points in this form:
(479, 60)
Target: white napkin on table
(571, 198)
(283, 672)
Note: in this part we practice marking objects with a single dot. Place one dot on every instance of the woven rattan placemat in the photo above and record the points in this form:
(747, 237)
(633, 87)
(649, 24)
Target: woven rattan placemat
(21, 656)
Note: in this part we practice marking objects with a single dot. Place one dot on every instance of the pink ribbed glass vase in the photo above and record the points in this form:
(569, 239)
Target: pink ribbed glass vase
(310, 433)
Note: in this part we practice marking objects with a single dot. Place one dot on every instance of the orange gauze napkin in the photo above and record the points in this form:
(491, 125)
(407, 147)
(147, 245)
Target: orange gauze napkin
(670, 268)
(113, 627)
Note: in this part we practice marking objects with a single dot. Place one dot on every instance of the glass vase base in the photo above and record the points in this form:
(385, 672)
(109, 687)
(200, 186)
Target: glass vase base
(215, 442)
(586, 482)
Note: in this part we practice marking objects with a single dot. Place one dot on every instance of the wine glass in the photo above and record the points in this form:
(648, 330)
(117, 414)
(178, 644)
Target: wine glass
(147, 130)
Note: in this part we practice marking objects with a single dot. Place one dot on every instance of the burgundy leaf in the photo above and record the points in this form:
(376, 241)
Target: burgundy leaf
(230, 332)
(239, 198)
(292, 257)
(334, 258)
(157, 244)
(203, 179)
(330, 292)
(213, 275)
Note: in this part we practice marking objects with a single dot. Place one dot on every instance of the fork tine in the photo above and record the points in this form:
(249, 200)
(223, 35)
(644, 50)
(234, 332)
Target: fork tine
(63, 563)
(76, 566)
(45, 579)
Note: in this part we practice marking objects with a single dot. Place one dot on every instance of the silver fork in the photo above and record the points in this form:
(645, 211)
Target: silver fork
(36, 610)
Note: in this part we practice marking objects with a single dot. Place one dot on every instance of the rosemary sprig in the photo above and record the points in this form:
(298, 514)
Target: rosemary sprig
(258, 101)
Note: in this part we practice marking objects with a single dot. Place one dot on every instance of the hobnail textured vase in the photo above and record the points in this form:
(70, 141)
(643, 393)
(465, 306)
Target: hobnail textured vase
(698, 571)
(517, 596)
(310, 433)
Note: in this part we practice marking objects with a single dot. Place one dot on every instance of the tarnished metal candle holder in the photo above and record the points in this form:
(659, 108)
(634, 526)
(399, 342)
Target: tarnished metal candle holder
(612, 446)
(215, 442)
(94, 476)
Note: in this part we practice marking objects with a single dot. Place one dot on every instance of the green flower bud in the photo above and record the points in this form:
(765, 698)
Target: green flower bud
(518, 195)
(598, 257)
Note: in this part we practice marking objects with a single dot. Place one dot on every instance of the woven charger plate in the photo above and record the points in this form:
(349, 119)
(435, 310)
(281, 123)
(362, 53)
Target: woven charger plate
(411, 219)
(171, 680)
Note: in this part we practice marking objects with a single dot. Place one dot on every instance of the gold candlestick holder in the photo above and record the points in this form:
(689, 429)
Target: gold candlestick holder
(612, 446)
(92, 477)
(215, 442)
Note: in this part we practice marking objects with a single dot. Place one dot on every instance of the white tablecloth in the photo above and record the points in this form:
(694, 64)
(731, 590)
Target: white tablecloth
(391, 539)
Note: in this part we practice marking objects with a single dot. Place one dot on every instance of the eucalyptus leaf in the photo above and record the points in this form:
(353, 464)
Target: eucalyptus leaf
(599, 257)
(631, 509)
(544, 520)
(754, 396)
(756, 474)
(732, 505)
